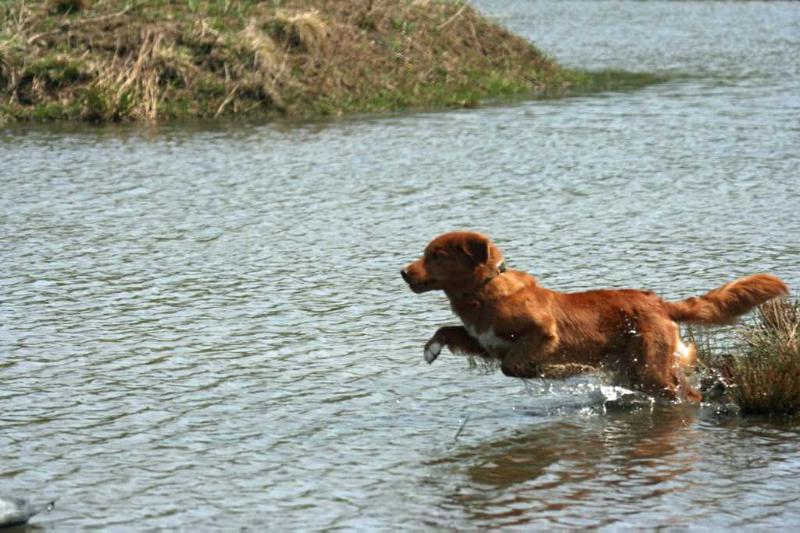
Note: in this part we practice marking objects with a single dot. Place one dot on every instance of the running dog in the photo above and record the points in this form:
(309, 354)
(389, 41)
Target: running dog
(509, 317)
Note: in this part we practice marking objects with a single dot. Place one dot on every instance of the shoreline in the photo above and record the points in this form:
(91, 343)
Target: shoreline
(112, 61)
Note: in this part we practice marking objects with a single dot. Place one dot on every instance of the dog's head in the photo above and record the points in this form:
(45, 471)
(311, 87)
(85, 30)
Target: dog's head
(455, 262)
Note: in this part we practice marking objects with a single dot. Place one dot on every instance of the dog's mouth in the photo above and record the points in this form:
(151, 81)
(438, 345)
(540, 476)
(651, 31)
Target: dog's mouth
(416, 285)
(420, 287)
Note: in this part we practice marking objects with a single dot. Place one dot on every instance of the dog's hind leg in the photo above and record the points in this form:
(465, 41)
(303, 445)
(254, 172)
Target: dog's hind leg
(656, 367)
(456, 339)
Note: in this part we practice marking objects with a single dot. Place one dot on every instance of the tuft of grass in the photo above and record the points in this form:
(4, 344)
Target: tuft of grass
(763, 371)
(55, 71)
(301, 32)
(48, 112)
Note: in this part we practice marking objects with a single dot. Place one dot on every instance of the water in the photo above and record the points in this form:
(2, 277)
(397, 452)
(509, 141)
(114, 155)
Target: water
(204, 326)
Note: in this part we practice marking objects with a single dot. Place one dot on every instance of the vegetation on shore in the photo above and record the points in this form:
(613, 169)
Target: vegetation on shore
(762, 372)
(112, 60)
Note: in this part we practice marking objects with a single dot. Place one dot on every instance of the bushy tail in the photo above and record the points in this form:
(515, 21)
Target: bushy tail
(725, 304)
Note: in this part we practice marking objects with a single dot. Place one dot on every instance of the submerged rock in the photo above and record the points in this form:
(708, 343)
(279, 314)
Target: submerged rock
(15, 511)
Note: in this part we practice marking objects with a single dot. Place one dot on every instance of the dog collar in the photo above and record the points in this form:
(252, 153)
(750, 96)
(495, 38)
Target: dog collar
(501, 267)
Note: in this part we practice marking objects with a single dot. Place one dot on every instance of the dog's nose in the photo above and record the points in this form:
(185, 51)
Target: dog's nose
(404, 273)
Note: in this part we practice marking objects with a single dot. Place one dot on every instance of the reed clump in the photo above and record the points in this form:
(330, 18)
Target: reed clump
(762, 372)
(111, 60)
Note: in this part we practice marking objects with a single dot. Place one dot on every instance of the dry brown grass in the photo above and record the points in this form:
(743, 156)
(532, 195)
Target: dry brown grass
(155, 59)
(763, 372)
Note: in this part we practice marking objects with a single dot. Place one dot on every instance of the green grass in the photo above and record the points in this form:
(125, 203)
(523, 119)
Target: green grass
(583, 82)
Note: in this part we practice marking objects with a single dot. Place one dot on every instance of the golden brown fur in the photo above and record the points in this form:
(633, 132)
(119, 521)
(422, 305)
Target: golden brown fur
(508, 316)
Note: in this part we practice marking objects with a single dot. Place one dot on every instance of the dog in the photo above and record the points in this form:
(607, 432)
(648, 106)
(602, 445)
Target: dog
(509, 317)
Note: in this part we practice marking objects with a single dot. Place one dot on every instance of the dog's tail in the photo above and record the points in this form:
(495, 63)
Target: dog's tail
(724, 304)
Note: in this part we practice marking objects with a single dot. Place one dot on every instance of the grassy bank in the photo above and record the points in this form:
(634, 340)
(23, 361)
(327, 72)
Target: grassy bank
(112, 60)
(762, 372)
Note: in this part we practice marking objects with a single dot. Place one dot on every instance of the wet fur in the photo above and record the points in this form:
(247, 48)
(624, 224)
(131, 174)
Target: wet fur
(508, 316)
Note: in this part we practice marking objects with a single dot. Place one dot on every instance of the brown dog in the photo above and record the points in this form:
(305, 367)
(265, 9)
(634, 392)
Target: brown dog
(508, 316)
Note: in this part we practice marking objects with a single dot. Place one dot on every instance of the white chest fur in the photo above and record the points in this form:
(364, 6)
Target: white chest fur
(488, 339)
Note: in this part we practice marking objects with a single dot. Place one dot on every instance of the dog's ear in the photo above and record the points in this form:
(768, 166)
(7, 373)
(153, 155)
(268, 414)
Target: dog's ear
(477, 250)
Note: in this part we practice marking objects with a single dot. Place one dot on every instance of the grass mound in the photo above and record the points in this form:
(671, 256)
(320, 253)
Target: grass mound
(110, 60)
(763, 372)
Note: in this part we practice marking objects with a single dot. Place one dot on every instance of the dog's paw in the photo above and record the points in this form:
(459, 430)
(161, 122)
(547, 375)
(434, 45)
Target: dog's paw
(432, 351)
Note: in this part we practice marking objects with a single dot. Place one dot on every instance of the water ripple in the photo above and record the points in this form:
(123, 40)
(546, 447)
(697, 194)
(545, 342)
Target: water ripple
(203, 326)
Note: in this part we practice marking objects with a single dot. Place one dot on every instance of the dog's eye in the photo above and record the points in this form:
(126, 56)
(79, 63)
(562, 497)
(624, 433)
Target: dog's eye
(438, 254)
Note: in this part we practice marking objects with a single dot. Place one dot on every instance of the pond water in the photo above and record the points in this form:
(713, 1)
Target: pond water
(205, 326)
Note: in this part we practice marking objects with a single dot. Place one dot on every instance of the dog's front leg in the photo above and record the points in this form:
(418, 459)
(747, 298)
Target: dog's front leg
(456, 339)
(530, 355)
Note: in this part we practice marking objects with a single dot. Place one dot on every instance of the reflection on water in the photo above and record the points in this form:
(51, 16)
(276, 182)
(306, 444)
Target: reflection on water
(670, 465)
(203, 326)
(550, 473)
